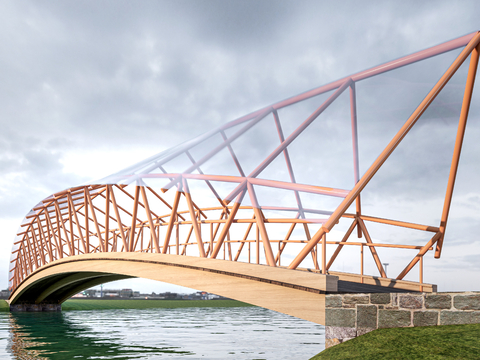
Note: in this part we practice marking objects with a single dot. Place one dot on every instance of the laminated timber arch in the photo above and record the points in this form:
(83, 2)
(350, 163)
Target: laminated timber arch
(297, 293)
(261, 189)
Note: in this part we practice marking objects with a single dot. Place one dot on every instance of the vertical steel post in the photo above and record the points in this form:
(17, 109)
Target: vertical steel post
(257, 244)
(324, 253)
(421, 273)
(361, 263)
(107, 216)
(87, 231)
(356, 163)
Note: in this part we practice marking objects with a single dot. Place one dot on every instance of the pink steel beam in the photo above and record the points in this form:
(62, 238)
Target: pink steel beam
(270, 183)
(406, 60)
(299, 187)
(387, 151)
(288, 162)
(182, 149)
(292, 136)
(209, 184)
(262, 115)
(376, 70)
(356, 165)
(230, 149)
(353, 110)
(300, 129)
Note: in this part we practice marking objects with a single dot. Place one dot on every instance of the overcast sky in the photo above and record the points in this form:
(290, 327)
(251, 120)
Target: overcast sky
(89, 87)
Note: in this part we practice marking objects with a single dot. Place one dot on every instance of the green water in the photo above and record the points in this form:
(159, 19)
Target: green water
(190, 333)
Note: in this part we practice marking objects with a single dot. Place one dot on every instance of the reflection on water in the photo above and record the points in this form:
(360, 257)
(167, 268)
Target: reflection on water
(191, 333)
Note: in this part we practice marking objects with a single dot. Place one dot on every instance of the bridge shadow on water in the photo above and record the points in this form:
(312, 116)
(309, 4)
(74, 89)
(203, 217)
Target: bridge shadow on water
(56, 336)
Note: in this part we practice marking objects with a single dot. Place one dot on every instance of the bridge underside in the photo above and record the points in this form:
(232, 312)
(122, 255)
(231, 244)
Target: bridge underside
(293, 292)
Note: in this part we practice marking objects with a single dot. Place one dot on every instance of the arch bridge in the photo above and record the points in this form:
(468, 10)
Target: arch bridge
(261, 208)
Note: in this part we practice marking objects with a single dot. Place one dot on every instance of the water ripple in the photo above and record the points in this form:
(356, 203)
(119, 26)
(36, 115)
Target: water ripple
(191, 333)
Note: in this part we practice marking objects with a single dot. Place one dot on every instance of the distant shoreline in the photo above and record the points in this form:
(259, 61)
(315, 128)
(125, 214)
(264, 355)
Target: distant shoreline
(106, 304)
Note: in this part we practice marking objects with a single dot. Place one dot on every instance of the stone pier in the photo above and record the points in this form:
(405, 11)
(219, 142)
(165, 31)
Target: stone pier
(350, 315)
(35, 307)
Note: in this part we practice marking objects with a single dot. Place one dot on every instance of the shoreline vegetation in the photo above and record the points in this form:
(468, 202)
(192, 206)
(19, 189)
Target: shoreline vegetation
(429, 342)
(102, 304)
(93, 304)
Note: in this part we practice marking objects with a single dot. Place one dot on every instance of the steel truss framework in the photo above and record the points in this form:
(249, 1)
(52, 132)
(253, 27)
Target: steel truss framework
(138, 210)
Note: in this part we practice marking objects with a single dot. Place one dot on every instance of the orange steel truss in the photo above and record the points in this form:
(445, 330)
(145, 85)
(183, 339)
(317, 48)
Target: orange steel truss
(162, 205)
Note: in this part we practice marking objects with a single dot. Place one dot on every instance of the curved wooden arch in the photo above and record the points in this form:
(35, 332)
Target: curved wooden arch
(297, 293)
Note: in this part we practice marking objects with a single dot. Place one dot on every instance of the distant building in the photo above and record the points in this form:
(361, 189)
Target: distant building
(130, 294)
(169, 296)
(126, 293)
(4, 294)
(90, 293)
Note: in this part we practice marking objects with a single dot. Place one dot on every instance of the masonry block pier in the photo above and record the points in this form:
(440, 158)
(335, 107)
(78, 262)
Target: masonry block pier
(350, 315)
(35, 307)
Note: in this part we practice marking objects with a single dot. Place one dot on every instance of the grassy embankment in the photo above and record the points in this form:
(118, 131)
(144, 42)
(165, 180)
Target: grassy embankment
(4, 305)
(431, 342)
(80, 304)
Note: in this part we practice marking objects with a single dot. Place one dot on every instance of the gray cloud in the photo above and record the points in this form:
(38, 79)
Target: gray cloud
(95, 76)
